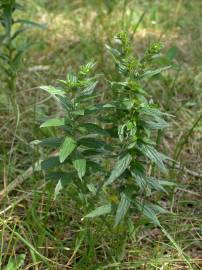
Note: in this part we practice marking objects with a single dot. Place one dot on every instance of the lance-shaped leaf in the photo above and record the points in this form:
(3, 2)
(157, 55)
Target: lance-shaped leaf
(50, 163)
(53, 90)
(94, 143)
(150, 152)
(122, 209)
(120, 166)
(52, 142)
(67, 148)
(30, 23)
(64, 180)
(151, 73)
(148, 212)
(161, 124)
(80, 166)
(93, 129)
(54, 122)
(102, 210)
(89, 89)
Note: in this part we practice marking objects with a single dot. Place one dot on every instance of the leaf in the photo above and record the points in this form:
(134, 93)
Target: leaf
(94, 129)
(16, 262)
(121, 131)
(92, 189)
(92, 152)
(53, 90)
(89, 89)
(150, 152)
(52, 141)
(54, 122)
(78, 112)
(158, 209)
(65, 103)
(65, 180)
(94, 166)
(80, 166)
(58, 188)
(50, 163)
(120, 166)
(92, 142)
(102, 210)
(139, 178)
(159, 184)
(151, 73)
(122, 209)
(16, 61)
(66, 177)
(153, 112)
(156, 125)
(31, 23)
(18, 32)
(66, 149)
(148, 212)
(71, 80)
(155, 184)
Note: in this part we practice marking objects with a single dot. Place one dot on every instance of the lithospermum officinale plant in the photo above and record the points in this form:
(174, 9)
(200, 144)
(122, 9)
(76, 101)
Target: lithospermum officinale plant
(11, 51)
(107, 150)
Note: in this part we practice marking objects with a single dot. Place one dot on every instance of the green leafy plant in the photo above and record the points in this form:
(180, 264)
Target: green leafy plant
(107, 150)
(11, 51)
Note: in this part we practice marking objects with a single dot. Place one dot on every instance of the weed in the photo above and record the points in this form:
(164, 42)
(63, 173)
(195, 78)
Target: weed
(106, 150)
(41, 225)
(11, 52)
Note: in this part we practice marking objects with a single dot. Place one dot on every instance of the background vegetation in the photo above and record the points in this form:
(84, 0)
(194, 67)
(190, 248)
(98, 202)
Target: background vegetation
(42, 233)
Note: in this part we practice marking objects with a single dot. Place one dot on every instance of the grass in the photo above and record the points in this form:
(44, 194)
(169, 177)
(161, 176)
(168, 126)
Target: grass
(51, 232)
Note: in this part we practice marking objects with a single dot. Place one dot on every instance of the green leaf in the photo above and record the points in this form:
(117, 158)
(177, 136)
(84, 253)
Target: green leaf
(78, 112)
(17, 59)
(50, 163)
(149, 111)
(30, 23)
(80, 166)
(151, 73)
(147, 212)
(156, 125)
(92, 152)
(65, 180)
(16, 262)
(65, 103)
(102, 210)
(158, 209)
(122, 209)
(18, 32)
(71, 80)
(121, 132)
(66, 177)
(120, 166)
(94, 129)
(94, 143)
(52, 142)
(53, 90)
(66, 149)
(89, 89)
(54, 122)
(150, 152)
(159, 184)
(58, 188)
(94, 167)
(139, 177)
